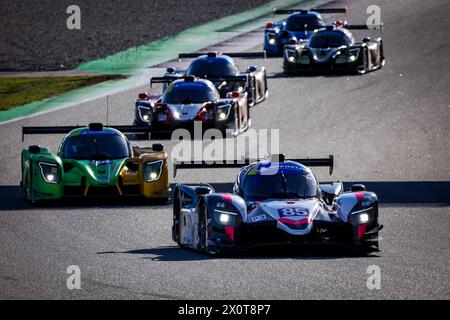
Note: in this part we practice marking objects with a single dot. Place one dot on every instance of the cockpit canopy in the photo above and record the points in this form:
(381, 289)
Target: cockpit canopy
(185, 92)
(287, 180)
(331, 39)
(210, 67)
(96, 145)
(298, 21)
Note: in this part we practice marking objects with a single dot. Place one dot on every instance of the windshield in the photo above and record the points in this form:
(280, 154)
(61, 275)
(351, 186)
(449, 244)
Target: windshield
(212, 68)
(184, 93)
(104, 145)
(328, 41)
(281, 185)
(297, 23)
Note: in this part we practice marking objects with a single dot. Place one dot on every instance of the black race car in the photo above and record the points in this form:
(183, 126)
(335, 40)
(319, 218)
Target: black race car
(274, 202)
(190, 99)
(297, 28)
(217, 65)
(334, 48)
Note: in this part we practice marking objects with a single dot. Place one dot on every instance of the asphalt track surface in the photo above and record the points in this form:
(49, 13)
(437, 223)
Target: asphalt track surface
(35, 37)
(389, 128)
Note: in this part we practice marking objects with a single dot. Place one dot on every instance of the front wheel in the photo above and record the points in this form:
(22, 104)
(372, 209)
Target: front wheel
(203, 232)
(253, 93)
(364, 66)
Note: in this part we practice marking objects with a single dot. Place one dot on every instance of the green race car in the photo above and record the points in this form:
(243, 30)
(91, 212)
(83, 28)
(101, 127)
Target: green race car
(90, 161)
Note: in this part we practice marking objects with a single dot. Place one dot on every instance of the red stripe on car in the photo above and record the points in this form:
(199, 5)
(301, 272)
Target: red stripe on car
(359, 195)
(361, 230)
(227, 198)
(230, 232)
(294, 222)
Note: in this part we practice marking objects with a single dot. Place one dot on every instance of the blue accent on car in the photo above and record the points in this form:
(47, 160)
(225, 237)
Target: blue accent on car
(94, 132)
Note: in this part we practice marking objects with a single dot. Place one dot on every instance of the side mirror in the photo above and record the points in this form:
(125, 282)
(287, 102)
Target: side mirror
(357, 187)
(233, 95)
(293, 41)
(158, 147)
(252, 69)
(171, 70)
(34, 149)
(284, 34)
(202, 190)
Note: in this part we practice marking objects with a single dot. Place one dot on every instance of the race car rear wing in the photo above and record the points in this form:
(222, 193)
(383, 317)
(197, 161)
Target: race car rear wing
(261, 54)
(364, 27)
(318, 10)
(91, 126)
(309, 162)
(168, 79)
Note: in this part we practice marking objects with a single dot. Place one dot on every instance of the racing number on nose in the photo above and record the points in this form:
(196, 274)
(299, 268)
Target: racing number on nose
(290, 212)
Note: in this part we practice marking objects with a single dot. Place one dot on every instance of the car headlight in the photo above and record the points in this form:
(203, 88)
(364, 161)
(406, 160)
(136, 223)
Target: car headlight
(145, 113)
(361, 217)
(353, 55)
(152, 170)
(225, 217)
(223, 112)
(290, 55)
(50, 172)
(272, 39)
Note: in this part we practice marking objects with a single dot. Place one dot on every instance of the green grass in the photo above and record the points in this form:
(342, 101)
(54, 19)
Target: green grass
(18, 91)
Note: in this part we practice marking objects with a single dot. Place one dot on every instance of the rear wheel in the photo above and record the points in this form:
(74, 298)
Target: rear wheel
(266, 89)
(363, 68)
(382, 60)
(235, 125)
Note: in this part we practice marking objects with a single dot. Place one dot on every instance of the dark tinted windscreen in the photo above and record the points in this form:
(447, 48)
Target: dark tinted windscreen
(100, 146)
(188, 93)
(285, 185)
(328, 41)
(211, 68)
(297, 23)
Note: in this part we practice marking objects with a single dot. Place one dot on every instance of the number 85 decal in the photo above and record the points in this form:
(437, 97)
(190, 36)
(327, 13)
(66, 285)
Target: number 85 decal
(293, 212)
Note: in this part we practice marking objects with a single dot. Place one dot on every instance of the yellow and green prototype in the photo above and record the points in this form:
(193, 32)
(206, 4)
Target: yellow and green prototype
(93, 160)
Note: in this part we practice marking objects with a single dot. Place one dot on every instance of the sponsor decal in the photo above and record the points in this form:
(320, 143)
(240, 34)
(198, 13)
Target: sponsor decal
(259, 218)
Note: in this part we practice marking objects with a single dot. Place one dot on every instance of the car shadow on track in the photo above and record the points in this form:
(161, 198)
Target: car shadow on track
(175, 253)
(311, 74)
(436, 193)
(393, 192)
(11, 200)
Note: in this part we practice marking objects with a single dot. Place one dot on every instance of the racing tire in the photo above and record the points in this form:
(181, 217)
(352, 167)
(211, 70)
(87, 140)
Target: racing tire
(236, 127)
(382, 61)
(203, 232)
(266, 89)
(248, 120)
(363, 68)
(177, 228)
(288, 72)
(253, 98)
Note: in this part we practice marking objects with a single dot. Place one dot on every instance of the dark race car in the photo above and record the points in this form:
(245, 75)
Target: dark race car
(213, 65)
(192, 99)
(335, 48)
(297, 28)
(274, 202)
